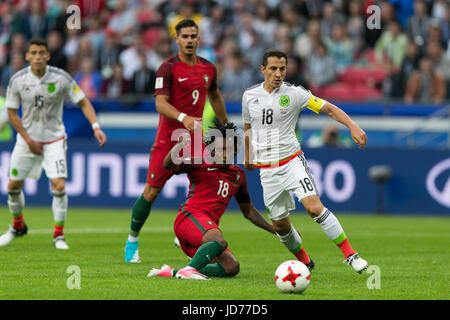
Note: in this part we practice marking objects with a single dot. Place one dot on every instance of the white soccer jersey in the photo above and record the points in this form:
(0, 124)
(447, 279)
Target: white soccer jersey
(42, 101)
(273, 118)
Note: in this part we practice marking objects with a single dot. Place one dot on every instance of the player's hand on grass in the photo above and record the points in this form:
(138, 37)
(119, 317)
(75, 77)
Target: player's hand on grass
(359, 136)
(35, 147)
(100, 136)
(192, 123)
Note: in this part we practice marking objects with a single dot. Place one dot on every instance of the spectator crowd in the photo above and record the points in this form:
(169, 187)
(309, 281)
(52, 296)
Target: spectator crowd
(335, 48)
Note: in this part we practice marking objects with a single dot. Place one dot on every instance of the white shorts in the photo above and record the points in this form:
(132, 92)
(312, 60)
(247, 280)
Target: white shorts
(25, 164)
(278, 183)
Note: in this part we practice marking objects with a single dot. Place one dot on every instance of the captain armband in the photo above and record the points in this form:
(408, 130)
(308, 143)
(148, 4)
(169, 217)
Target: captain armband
(315, 104)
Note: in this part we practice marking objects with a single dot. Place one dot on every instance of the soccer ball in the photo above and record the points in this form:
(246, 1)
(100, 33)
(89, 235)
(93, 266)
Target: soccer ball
(292, 277)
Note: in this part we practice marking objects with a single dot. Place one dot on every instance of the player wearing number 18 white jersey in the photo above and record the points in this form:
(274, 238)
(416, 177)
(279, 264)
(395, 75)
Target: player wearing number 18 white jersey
(273, 117)
(41, 136)
(270, 111)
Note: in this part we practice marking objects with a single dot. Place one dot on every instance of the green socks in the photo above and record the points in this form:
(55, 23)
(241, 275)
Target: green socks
(139, 215)
(205, 254)
(214, 270)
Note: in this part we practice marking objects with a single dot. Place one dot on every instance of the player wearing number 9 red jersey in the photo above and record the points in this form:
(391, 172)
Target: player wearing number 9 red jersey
(183, 83)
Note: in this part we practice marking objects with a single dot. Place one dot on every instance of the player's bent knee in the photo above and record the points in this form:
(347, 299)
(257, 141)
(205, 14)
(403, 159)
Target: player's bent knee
(15, 185)
(223, 243)
(233, 269)
(314, 209)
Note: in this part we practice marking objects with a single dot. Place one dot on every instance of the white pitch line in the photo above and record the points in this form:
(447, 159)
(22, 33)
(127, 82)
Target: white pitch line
(100, 230)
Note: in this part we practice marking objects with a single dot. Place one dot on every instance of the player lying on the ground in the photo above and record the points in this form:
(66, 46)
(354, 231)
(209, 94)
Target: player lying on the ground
(197, 225)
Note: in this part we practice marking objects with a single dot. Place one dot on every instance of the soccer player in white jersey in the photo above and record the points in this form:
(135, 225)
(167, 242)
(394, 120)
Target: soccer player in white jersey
(271, 110)
(41, 136)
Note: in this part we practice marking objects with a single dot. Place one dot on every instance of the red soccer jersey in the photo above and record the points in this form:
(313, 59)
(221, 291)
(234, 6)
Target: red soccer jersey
(212, 186)
(187, 87)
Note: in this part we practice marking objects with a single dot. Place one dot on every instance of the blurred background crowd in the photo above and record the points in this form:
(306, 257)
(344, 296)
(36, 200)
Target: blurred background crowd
(331, 50)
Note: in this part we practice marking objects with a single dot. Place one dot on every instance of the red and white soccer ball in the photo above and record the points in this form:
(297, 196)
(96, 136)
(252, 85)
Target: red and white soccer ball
(292, 277)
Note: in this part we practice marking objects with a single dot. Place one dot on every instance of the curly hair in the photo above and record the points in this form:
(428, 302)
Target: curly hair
(224, 129)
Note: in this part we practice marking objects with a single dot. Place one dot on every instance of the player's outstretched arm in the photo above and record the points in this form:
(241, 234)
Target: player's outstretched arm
(358, 134)
(218, 105)
(89, 113)
(14, 119)
(169, 111)
(248, 147)
(255, 217)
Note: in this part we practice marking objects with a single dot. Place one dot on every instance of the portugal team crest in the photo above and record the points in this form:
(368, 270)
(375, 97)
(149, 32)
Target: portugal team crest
(51, 87)
(284, 101)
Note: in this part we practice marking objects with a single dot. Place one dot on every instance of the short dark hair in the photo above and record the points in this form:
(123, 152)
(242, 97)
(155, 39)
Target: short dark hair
(185, 23)
(273, 53)
(37, 42)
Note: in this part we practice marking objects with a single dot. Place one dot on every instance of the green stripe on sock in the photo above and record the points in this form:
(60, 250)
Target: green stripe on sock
(59, 223)
(300, 247)
(341, 238)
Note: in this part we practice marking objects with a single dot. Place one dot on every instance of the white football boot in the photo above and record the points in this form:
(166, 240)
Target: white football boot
(11, 234)
(356, 262)
(60, 243)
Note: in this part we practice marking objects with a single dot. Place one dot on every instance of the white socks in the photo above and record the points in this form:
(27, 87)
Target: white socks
(329, 224)
(132, 239)
(16, 201)
(292, 240)
(59, 205)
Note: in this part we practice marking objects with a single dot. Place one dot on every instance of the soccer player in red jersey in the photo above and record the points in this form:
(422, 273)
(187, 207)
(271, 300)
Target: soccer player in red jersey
(182, 84)
(212, 185)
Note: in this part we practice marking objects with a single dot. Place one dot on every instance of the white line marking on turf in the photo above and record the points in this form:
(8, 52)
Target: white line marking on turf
(100, 230)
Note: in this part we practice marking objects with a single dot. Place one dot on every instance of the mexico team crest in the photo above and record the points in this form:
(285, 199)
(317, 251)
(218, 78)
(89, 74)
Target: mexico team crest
(284, 101)
(51, 87)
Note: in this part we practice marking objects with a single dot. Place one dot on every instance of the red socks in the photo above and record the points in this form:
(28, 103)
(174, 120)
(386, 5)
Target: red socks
(346, 249)
(302, 256)
(58, 231)
(18, 222)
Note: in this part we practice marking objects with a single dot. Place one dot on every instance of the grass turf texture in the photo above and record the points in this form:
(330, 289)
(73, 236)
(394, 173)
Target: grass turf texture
(411, 252)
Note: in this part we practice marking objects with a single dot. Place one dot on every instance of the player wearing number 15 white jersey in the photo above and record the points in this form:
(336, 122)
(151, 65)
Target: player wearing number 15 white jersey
(270, 111)
(41, 136)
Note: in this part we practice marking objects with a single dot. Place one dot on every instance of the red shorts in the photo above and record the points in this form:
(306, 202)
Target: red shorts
(157, 175)
(190, 226)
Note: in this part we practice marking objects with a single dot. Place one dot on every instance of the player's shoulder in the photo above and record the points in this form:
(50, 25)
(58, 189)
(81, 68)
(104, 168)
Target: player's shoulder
(170, 62)
(60, 73)
(19, 74)
(256, 88)
(205, 61)
(238, 170)
(290, 86)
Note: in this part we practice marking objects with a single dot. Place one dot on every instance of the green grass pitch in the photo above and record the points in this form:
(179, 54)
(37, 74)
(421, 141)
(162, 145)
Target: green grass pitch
(411, 252)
